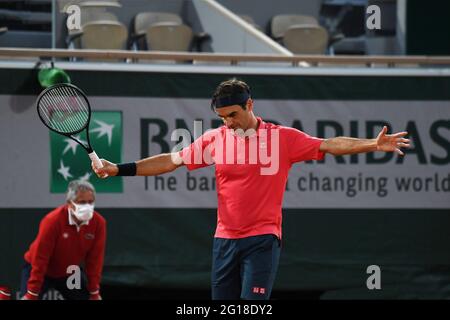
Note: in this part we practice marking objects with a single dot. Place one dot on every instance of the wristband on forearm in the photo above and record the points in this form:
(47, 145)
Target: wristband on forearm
(127, 169)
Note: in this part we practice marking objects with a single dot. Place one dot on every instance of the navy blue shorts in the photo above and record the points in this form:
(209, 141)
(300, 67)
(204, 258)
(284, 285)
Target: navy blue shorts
(244, 268)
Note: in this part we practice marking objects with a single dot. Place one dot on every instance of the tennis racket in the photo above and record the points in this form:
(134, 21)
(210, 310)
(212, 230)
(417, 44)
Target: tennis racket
(65, 109)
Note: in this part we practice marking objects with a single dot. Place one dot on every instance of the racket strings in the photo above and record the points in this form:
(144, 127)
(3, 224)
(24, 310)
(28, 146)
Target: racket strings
(72, 119)
(72, 122)
(54, 115)
(64, 110)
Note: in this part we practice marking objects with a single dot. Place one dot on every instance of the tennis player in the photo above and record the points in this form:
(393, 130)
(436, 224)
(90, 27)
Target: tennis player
(247, 241)
(68, 236)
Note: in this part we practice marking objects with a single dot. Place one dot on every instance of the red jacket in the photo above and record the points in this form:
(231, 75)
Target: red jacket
(59, 245)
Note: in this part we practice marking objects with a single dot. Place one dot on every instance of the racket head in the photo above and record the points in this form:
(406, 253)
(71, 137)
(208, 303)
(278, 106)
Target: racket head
(64, 109)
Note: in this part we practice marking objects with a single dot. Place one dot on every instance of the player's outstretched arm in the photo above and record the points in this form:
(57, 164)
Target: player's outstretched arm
(383, 142)
(152, 166)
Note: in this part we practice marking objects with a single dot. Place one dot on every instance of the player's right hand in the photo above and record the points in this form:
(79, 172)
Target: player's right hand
(109, 169)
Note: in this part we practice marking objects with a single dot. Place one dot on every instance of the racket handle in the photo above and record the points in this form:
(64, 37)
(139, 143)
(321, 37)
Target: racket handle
(94, 158)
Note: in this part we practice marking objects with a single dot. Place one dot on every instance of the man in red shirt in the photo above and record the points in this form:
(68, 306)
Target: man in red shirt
(252, 160)
(68, 236)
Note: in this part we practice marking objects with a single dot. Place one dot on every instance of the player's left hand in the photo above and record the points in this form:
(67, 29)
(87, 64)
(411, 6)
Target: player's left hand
(392, 142)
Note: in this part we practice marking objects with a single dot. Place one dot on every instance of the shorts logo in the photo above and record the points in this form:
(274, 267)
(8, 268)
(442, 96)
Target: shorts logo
(259, 290)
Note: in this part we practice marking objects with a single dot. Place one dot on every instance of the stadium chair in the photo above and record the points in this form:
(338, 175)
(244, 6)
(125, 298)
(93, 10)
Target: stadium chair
(143, 20)
(102, 34)
(97, 10)
(303, 28)
(91, 11)
(73, 38)
(306, 39)
(167, 36)
(166, 23)
(281, 23)
(87, 17)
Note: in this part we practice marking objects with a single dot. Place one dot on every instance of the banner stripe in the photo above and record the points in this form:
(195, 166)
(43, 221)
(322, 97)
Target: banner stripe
(185, 85)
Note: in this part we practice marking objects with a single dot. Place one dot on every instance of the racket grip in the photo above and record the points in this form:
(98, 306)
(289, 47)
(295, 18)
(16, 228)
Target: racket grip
(94, 158)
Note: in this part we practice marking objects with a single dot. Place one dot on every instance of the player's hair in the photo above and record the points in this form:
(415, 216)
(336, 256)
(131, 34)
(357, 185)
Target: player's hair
(230, 87)
(78, 185)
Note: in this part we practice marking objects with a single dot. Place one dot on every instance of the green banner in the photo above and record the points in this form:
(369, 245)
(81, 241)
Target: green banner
(69, 161)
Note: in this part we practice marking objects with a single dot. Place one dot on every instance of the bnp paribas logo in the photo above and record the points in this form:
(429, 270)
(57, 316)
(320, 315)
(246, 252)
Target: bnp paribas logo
(69, 161)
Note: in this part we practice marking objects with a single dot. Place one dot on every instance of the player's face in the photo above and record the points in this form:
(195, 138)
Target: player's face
(234, 117)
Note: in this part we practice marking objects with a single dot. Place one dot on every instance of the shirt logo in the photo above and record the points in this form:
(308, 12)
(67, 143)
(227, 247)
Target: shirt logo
(65, 235)
(89, 236)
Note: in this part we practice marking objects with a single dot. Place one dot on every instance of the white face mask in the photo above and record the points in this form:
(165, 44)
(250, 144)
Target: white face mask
(83, 212)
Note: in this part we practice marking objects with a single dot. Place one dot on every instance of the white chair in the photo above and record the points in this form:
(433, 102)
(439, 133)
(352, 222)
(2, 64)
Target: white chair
(306, 39)
(169, 37)
(281, 23)
(104, 35)
(143, 20)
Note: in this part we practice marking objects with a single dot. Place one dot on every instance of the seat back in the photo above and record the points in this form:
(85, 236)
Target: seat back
(88, 16)
(169, 37)
(104, 35)
(306, 39)
(144, 20)
(280, 23)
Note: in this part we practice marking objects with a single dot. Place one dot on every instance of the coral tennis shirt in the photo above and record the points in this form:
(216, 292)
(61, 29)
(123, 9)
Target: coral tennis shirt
(60, 244)
(251, 174)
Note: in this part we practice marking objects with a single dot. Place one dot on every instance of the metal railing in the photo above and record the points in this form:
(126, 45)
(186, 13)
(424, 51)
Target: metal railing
(233, 59)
